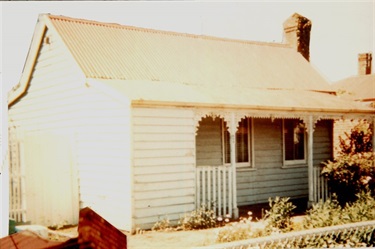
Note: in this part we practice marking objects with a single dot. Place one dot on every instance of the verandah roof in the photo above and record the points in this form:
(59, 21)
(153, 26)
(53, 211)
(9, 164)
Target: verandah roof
(167, 93)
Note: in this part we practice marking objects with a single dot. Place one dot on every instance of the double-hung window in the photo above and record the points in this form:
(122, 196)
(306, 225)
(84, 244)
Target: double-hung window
(294, 142)
(243, 144)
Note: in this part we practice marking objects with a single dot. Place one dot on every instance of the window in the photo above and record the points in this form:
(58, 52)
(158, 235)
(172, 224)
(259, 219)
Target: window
(294, 142)
(243, 143)
(213, 143)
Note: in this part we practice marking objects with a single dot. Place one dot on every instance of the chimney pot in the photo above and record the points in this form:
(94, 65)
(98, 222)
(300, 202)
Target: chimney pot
(297, 30)
(364, 63)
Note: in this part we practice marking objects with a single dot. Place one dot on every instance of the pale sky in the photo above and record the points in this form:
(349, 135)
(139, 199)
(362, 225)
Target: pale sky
(340, 29)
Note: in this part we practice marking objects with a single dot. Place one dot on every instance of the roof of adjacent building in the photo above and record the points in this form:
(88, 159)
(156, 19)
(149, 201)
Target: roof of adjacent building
(202, 69)
(359, 87)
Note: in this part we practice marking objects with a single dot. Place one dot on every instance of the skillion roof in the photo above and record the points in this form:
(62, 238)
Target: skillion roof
(211, 70)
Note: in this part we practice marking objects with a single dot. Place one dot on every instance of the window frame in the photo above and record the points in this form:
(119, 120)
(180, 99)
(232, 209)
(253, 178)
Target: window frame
(295, 162)
(250, 127)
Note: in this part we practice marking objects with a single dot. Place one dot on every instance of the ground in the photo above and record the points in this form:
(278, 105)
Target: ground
(189, 239)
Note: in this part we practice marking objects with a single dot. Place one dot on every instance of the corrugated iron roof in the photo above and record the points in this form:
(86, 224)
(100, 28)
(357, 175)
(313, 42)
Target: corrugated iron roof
(359, 87)
(254, 98)
(113, 51)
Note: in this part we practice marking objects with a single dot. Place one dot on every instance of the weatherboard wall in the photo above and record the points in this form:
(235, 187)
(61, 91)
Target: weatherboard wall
(163, 164)
(96, 129)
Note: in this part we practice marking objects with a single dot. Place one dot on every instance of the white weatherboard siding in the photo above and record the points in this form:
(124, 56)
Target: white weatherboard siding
(209, 143)
(44, 122)
(94, 128)
(163, 164)
(269, 179)
(323, 141)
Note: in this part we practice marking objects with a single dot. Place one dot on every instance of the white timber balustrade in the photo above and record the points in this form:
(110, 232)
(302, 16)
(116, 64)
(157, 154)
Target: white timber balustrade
(214, 189)
(321, 189)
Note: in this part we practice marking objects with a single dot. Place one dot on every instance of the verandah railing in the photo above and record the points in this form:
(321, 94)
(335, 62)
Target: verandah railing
(321, 188)
(215, 189)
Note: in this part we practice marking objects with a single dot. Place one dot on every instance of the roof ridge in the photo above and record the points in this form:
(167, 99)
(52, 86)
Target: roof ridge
(196, 36)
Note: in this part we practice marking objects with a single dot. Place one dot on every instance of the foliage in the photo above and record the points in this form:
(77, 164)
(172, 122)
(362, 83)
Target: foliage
(323, 214)
(162, 225)
(350, 174)
(244, 229)
(351, 239)
(278, 218)
(361, 210)
(358, 141)
(353, 170)
(201, 218)
(330, 213)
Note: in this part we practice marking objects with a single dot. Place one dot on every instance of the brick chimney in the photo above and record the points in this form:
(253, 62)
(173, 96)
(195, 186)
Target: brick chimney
(364, 63)
(297, 34)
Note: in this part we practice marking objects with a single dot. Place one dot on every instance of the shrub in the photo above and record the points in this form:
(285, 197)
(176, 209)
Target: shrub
(162, 225)
(358, 238)
(330, 213)
(278, 218)
(323, 214)
(350, 174)
(361, 210)
(358, 141)
(353, 170)
(244, 229)
(201, 218)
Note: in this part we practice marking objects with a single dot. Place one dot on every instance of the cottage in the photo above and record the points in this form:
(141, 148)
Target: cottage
(140, 124)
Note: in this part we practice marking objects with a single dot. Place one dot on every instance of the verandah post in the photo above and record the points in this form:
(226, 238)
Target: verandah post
(310, 161)
(233, 165)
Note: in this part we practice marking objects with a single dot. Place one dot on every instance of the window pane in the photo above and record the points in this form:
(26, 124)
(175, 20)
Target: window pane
(242, 141)
(294, 136)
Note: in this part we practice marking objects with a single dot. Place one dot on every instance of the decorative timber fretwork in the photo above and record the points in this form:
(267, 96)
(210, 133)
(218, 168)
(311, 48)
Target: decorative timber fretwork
(226, 114)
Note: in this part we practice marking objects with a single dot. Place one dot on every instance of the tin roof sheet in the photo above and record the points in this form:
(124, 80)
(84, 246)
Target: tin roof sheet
(113, 51)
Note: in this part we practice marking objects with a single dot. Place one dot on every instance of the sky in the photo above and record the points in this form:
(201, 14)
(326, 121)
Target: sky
(340, 29)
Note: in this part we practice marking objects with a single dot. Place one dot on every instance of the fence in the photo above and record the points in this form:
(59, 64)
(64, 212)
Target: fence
(215, 189)
(321, 189)
(287, 240)
(17, 194)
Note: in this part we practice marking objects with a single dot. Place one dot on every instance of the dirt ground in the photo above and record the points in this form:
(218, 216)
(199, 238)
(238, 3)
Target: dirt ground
(172, 239)
(155, 240)
(187, 239)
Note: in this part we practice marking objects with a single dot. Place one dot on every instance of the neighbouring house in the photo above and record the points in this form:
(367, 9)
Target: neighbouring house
(142, 124)
(360, 87)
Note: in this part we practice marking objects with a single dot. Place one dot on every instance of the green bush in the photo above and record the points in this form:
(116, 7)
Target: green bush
(278, 218)
(201, 218)
(358, 141)
(323, 214)
(351, 239)
(353, 170)
(350, 174)
(244, 229)
(162, 225)
(330, 213)
(361, 210)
